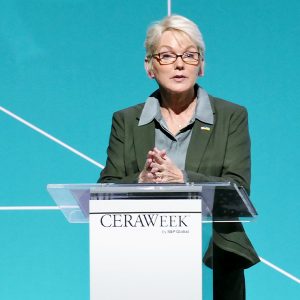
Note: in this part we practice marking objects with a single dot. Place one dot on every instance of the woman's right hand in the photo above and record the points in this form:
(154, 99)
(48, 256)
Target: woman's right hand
(148, 175)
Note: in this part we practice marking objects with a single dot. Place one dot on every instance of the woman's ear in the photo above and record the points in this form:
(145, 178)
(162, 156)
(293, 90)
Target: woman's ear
(201, 69)
(148, 69)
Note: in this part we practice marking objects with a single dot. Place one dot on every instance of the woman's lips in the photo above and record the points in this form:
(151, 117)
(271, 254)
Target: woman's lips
(179, 78)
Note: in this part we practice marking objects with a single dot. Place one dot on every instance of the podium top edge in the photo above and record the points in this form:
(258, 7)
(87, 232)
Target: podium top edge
(105, 187)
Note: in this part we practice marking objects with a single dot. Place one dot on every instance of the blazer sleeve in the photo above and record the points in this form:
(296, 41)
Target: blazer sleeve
(114, 171)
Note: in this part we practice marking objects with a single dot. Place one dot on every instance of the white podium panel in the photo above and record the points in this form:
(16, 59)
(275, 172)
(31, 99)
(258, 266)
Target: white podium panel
(145, 249)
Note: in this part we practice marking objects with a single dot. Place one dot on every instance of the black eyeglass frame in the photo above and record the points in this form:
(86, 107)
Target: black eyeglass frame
(159, 59)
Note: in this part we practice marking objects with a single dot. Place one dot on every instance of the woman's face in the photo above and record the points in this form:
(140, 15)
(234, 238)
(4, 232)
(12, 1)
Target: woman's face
(178, 77)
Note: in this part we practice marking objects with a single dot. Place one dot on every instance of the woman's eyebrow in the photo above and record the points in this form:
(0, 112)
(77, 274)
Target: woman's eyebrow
(172, 49)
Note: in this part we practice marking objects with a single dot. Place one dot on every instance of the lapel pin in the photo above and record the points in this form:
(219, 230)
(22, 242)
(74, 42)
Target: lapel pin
(205, 128)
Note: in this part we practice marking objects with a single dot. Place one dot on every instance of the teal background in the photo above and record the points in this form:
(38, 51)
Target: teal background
(67, 65)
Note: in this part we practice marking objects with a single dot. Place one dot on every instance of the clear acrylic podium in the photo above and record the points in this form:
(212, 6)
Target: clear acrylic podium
(150, 241)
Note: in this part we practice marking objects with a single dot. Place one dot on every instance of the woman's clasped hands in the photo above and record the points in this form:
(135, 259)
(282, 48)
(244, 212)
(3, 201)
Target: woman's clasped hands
(160, 169)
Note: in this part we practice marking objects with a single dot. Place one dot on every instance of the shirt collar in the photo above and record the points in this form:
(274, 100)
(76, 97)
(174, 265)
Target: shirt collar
(151, 110)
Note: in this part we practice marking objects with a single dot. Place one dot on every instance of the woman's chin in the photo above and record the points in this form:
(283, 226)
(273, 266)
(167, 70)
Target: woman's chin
(179, 88)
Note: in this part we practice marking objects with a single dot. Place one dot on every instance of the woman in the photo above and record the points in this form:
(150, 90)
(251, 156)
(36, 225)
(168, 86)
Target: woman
(182, 134)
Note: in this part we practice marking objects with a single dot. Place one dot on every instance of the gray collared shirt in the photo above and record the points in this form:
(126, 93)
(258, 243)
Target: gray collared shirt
(175, 146)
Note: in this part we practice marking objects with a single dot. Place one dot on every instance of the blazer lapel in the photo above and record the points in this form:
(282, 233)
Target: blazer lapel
(144, 140)
(198, 144)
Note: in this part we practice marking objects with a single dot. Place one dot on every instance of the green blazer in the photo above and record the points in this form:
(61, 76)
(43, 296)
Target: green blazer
(217, 152)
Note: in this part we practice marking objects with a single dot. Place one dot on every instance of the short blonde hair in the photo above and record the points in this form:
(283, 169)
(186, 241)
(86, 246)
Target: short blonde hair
(173, 23)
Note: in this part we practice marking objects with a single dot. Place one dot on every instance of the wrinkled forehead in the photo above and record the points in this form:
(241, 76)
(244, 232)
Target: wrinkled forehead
(175, 39)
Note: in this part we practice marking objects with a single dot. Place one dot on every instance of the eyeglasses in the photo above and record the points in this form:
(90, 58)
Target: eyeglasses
(167, 58)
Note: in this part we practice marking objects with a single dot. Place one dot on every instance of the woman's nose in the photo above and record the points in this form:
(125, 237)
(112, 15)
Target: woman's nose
(179, 63)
